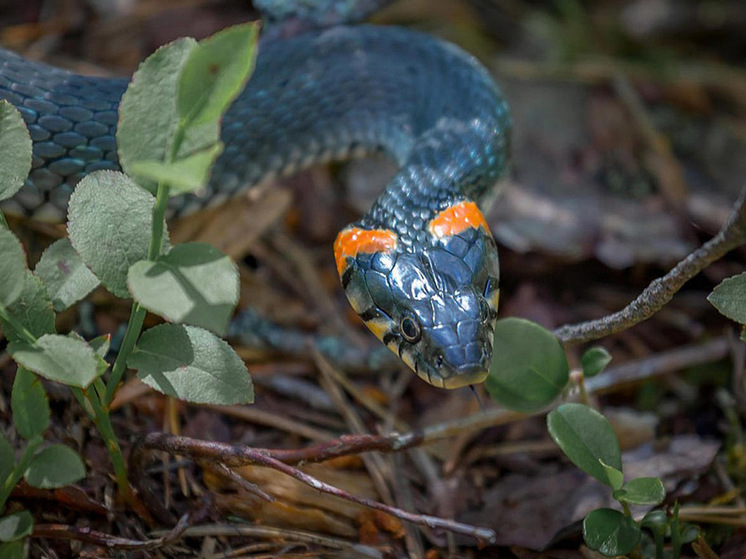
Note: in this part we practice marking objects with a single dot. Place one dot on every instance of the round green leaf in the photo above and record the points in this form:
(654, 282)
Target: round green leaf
(730, 298)
(193, 284)
(15, 150)
(215, 73)
(55, 466)
(64, 274)
(110, 226)
(13, 267)
(586, 437)
(16, 526)
(148, 115)
(7, 458)
(689, 533)
(610, 533)
(58, 358)
(13, 550)
(32, 310)
(100, 345)
(529, 368)
(594, 361)
(614, 478)
(656, 520)
(192, 364)
(186, 174)
(30, 405)
(642, 491)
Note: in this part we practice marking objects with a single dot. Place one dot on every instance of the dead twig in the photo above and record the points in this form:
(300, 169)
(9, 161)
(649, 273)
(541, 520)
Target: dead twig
(278, 534)
(661, 290)
(67, 532)
(240, 455)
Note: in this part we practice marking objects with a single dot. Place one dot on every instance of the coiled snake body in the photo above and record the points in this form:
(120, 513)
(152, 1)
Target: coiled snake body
(420, 267)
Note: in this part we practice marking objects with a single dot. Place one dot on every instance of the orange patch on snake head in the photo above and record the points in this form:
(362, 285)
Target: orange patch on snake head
(353, 240)
(455, 219)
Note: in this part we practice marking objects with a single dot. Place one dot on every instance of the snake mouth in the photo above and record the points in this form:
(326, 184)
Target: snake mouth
(458, 379)
(466, 378)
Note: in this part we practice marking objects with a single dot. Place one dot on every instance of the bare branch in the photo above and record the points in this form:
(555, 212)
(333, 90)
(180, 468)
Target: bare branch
(661, 290)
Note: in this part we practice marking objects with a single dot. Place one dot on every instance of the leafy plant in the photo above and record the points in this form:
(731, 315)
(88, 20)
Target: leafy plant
(588, 440)
(168, 138)
(529, 367)
(730, 299)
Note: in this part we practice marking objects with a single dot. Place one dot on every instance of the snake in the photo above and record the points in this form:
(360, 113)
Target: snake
(421, 267)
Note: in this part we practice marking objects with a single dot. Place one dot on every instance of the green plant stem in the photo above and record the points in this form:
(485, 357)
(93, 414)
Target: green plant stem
(17, 473)
(137, 314)
(627, 511)
(137, 317)
(584, 397)
(3, 221)
(83, 402)
(103, 422)
(658, 537)
(675, 532)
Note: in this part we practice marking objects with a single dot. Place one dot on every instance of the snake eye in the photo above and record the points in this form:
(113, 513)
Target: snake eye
(410, 329)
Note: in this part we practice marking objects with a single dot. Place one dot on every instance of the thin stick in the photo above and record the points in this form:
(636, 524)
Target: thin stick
(661, 290)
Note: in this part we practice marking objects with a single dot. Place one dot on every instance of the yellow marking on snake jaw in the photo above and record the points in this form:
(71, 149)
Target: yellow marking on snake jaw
(408, 361)
(379, 327)
(352, 240)
(494, 300)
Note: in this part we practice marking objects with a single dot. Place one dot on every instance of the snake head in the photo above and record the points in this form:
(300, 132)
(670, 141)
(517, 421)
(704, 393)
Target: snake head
(434, 307)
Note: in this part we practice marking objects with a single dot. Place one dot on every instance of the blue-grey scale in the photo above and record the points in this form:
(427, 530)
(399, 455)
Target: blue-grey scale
(320, 96)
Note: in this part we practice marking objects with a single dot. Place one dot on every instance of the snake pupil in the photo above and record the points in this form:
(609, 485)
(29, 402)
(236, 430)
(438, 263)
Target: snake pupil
(410, 330)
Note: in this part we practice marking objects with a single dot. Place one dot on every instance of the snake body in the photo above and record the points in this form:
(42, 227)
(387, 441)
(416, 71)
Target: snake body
(421, 266)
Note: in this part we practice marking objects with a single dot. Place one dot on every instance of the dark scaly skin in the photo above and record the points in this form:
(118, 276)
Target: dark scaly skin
(320, 96)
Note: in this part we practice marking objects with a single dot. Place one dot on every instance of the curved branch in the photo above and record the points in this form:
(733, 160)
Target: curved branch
(661, 290)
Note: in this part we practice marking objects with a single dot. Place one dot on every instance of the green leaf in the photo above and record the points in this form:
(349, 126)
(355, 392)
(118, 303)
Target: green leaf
(529, 368)
(110, 220)
(656, 521)
(30, 405)
(55, 466)
(32, 310)
(13, 550)
(67, 278)
(642, 491)
(58, 358)
(15, 150)
(609, 532)
(586, 437)
(7, 458)
(148, 115)
(100, 345)
(13, 267)
(193, 284)
(615, 478)
(689, 533)
(96, 346)
(193, 364)
(730, 298)
(215, 73)
(183, 175)
(594, 361)
(16, 526)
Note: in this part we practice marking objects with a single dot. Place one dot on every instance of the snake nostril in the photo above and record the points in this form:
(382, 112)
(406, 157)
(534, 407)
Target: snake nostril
(438, 360)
